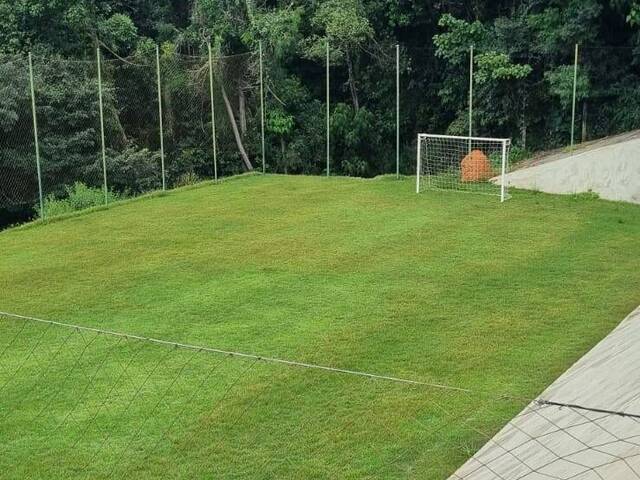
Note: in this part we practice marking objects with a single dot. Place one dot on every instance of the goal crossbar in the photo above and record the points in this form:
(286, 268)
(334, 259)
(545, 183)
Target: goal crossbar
(459, 137)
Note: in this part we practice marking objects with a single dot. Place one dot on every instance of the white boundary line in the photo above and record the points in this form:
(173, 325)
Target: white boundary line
(292, 363)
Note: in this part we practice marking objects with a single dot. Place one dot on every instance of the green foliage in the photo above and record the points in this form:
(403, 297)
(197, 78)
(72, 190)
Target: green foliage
(13, 94)
(561, 84)
(68, 122)
(631, 8)
(222, 22)
(356, 138)
(494, 66)
(190, 161)
(76, 197)
(453, 45)
(342, 23)
(118, 32)
(634, 15)
(279, 122)
(186, 179)
(518, 155)
(133, 170)
(555, 30)
(281, 29)
(27, 22)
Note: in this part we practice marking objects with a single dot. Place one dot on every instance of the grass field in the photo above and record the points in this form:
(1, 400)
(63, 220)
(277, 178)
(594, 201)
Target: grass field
(360, 274)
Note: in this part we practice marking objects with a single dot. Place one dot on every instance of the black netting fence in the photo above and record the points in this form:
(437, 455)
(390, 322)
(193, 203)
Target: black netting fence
(18, 170)
(132, 129)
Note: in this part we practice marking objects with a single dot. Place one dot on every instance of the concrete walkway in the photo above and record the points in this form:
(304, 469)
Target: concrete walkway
(585, 426)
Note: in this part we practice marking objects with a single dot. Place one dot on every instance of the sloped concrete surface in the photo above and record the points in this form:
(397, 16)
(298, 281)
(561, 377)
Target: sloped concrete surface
(585, 426)
(609, 168)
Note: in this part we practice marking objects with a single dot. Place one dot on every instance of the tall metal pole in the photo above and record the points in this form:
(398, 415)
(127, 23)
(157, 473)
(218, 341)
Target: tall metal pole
(213, 117)
(262, 109)
(397, 111)
(164, 184)
(35, 135)
(470, 96)
(575, 91)
(101, 108)
(328, 114)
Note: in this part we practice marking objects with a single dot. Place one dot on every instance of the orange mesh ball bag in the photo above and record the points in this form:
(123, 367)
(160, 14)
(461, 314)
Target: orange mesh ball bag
(475, 167)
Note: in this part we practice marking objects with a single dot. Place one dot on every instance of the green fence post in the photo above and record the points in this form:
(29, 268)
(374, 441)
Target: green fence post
(101, 108)
(328, 113)
(35, 136)
(213, 117)
(164, 183)
(262, 109)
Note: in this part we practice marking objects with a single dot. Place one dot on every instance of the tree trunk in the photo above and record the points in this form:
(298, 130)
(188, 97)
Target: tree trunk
(236, 133)
(584, 121)
(113, 119)
(283, 150)
(242, 112)
(523, 122)
(352, 83)
(168, 118)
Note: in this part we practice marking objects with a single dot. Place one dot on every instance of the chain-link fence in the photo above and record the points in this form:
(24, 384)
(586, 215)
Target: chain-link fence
(170, 119)
(236, 88)
(66, 93)
(132, 131)
(82, 133)
(18, 179)
(603, 107)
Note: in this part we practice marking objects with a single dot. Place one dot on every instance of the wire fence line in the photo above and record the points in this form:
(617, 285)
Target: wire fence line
(81, 402)
(78, 133)
(234, 354)
(108, 404)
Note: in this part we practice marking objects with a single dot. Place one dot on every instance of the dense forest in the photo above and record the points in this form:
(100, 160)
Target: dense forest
(523, 84)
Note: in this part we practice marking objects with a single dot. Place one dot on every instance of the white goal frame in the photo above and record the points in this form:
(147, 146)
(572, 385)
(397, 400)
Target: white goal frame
(466, 144)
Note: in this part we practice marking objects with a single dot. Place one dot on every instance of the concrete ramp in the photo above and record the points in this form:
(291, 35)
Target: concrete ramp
(610, 168)
(585, 426)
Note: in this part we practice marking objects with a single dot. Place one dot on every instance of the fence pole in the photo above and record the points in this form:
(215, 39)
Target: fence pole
(575, 90)
(213, 117)
(397, 111)
(101, 108)
(35, 135)
(328, 114)
(262, 109)
(470, 96)
(164, 184)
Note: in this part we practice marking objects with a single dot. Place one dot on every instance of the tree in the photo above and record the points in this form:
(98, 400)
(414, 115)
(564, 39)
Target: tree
(495, 75)
(222, 23)
(345, 27)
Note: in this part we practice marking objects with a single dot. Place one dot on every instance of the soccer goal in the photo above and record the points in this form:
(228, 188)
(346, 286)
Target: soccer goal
(466, 164)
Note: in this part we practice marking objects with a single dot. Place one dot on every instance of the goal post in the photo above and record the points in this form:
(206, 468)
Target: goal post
(464, 164)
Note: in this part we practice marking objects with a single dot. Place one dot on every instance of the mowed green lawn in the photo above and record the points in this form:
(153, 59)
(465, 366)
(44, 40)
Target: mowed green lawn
(441, 287)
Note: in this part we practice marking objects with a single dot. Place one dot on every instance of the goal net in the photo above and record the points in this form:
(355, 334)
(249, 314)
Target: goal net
(467, 164)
